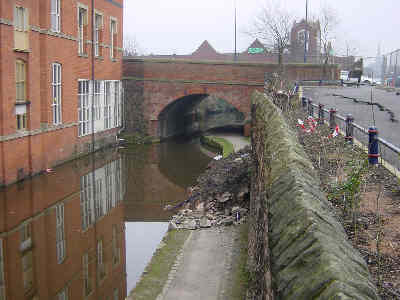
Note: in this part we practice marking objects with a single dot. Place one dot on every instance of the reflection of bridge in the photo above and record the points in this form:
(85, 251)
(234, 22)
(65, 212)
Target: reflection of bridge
(160, 93)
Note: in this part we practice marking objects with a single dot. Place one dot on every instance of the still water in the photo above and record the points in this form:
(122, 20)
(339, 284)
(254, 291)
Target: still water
(88, 229)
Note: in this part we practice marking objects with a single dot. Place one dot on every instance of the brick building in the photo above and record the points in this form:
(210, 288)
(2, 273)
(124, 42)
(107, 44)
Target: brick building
(61, 240)
(301, 30)
(46, 90)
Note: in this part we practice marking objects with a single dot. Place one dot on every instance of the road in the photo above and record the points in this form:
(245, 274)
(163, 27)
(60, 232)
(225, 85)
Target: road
(362, 113)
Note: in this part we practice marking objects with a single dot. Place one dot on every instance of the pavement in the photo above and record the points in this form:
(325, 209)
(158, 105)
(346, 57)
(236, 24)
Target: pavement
(238, 141)
(362, 113)
(202, 271)
(203, 268)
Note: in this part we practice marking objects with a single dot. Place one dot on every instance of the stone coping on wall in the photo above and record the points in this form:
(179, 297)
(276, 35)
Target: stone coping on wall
(311, 257)
(216, 62)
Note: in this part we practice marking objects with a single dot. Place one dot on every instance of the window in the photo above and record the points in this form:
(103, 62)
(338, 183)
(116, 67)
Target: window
(20, 81)
(117, 104)
(87, 287)
(302, 36)
(108, 185)
(21, 28)
(99, 198)
(86, 197)
(2, 280)
(55, 15)
(60, 235)
(56, 88)
(115, 249)
(98, 36)
(100, 262)
(84, 108)
(113, 33)
(27, 270)
(82, 30)
(97, 97)
(107, 105)
(26, 237)
(63, 295)
(21, 121)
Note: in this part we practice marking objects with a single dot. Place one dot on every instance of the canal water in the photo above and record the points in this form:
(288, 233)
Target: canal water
(88, 228)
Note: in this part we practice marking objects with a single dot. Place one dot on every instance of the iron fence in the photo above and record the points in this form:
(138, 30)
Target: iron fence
(389, 154)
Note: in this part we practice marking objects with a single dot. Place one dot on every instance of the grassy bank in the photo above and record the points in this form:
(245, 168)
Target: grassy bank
(220, 145)
(156, 273)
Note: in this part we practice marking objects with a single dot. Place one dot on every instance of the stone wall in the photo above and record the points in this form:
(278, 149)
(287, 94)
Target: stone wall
(310, 255)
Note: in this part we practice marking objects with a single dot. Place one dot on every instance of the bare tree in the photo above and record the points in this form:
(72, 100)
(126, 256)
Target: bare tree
(272, 27)
(328, 21)
(131, 46)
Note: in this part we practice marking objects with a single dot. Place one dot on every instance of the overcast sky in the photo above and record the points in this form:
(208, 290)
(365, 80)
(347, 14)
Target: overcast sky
(180, 26)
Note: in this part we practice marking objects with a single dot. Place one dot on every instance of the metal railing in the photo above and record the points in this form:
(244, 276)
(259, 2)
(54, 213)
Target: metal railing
(389, 154)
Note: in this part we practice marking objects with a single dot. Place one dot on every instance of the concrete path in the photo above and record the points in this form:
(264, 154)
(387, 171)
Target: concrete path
(202, 272)
(238, 141)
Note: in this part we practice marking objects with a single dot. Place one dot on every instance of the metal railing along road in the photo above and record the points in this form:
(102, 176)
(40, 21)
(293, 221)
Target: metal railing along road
(389, 154)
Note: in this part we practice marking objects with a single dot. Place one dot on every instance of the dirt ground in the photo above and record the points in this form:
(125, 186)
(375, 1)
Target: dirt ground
(372, 220)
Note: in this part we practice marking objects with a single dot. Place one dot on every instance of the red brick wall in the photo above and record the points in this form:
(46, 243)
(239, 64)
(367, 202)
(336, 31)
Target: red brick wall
(164, 81)
(47, 149)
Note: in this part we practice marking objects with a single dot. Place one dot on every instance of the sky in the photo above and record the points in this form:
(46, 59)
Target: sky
(180, 26)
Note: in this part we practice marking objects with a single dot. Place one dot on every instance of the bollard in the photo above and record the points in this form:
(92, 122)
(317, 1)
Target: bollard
(310, 108)
(304, 102)
(332, 118)
(373, 146)
(321, 114)
(349, 128)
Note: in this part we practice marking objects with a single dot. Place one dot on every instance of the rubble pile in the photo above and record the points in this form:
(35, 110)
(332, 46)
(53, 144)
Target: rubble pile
(220, 197)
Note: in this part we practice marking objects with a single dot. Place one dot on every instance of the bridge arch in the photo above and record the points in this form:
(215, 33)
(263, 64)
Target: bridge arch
(185, 115)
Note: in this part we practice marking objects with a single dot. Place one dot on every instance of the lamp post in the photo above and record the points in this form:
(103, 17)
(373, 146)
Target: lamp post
(306, 34)
(235, 57)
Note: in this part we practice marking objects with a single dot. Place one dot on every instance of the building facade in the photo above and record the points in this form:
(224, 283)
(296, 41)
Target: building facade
(302, 31)
(62, 235)
(51, 109)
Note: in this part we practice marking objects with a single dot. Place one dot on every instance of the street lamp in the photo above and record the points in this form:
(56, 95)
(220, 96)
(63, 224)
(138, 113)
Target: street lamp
(306, 34)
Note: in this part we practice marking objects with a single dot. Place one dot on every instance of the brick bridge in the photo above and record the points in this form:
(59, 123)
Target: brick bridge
(160, 93)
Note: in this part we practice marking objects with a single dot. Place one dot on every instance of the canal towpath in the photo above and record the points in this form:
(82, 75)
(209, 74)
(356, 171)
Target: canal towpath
(202, 270)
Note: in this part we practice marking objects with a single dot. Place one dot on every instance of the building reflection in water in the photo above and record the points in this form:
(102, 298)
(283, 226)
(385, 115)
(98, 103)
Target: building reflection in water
(62, 234)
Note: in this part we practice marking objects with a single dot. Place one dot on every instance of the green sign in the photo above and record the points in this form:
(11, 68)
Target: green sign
(255, 50)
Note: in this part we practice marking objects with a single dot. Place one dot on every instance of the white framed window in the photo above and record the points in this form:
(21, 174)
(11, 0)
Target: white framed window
(86, 199)
(117, 104)
(55, 15)
(2, 279)
(21, 28)
(60, 233)
(82, 29)
(56, 93)
(113, 37)
(84, 113)
(98, 35)
(63, 295)
(87, 287)
(107, 105)
(99, 198)
(97, 97)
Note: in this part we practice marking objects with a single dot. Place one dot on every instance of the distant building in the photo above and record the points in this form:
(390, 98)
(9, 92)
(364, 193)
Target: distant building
(46, 91)
(300, 32)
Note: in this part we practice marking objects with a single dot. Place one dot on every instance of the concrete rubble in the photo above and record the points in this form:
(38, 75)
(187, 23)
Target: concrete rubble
(220, 197)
